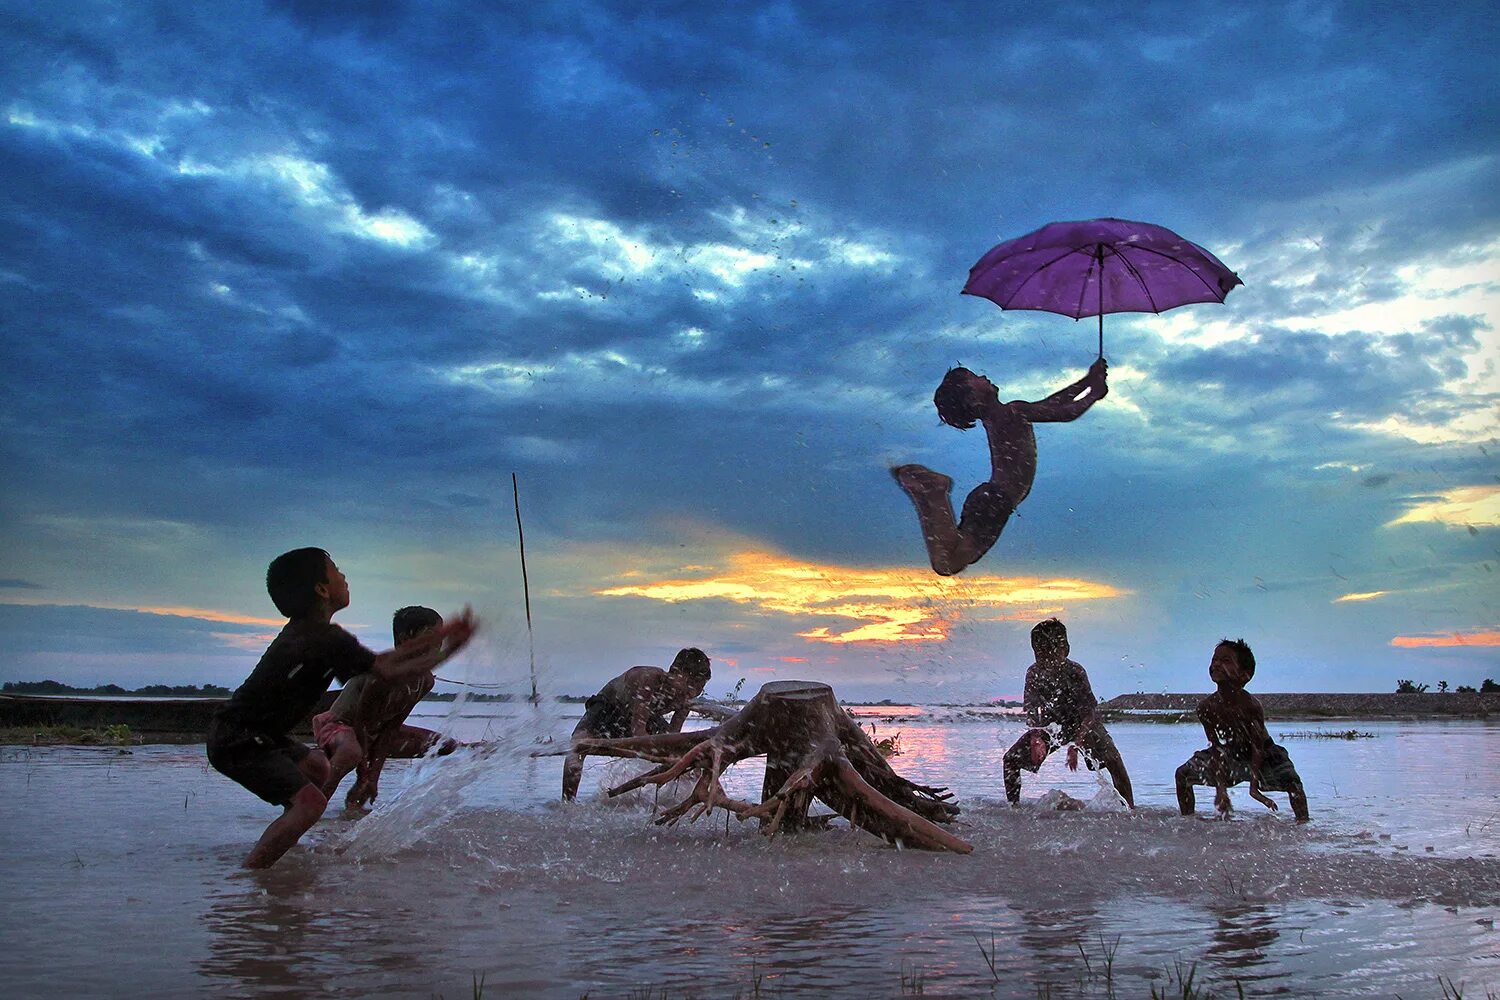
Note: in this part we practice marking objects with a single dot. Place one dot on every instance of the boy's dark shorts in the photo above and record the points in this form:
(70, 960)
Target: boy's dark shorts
(1096, 743)
(606, 719)
(1276, 771)
(266, 765)
(986, 511)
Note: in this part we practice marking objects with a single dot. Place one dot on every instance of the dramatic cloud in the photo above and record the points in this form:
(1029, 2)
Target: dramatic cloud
(290, 273)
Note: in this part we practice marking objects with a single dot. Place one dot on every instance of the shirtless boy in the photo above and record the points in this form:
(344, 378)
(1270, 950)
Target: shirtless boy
(1240, 748)
(366, 724)
(1061, 707)
(961, 399)
(247, 739)
(636, 703)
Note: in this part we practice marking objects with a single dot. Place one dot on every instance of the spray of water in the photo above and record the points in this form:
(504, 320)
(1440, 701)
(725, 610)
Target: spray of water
(430, 793)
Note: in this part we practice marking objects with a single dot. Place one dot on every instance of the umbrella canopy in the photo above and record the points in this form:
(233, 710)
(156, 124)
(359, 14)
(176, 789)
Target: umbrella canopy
(1099, 266)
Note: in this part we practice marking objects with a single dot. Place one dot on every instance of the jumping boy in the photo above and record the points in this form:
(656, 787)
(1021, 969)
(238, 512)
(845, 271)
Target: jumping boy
(961, 399)
(1061, 708)
(366, 724)
(636, 703)
(247, 739)
(1240, 748)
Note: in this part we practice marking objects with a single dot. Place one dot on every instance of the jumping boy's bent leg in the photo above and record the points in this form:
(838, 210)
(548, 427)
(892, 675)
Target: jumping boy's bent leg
(954, 544)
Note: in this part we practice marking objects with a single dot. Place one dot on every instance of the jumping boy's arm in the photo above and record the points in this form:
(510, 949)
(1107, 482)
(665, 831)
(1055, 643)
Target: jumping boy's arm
(679, 717)
(1071, 402)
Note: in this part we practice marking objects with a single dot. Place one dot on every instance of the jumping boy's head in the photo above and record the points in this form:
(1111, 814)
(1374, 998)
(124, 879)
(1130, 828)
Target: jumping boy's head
(304, 581)
(1049, 640)
(692, 666)
(1232, 664)
(410, 622)
(960, 397)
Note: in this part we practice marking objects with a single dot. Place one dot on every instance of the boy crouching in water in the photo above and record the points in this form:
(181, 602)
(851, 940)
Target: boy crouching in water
(247, 739)
(1062, 709)
(636, 703)
(1240, 747)
(366, 724)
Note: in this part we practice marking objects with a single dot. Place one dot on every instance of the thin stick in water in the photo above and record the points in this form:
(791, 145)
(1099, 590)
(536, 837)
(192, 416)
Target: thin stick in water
(525, 583)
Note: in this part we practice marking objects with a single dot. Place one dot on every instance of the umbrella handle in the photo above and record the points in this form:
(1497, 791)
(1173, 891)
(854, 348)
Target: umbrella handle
(1099, 254)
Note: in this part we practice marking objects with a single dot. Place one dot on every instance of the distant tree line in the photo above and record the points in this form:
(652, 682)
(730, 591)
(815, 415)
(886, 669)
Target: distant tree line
(149, 691)
(450, 696)
(1412, 687)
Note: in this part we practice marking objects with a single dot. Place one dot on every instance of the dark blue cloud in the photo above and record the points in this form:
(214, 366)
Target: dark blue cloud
(294, 263)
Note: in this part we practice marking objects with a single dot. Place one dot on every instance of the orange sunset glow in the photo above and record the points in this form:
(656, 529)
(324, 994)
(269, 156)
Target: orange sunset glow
(1463, 507)
(1486, 637)
(172, 611)
(867, 604)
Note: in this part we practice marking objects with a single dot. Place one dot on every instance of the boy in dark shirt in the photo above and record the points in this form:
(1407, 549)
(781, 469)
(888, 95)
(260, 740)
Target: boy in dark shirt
(635, 704)
(1060, 705)
(366, 724)
(247, 739)
(1240, 747)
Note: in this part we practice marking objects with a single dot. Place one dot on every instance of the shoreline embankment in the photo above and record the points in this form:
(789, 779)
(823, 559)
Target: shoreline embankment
(1330, 705)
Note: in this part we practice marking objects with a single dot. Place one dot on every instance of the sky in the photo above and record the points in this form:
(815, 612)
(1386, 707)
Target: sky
(329, 273)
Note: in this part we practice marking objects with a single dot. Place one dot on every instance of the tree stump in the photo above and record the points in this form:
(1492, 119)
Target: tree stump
(813, 750)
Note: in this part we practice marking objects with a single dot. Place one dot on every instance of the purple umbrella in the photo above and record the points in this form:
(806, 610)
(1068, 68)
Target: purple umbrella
(1057, 269)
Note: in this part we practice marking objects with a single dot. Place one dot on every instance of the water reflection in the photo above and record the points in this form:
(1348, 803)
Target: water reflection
(1243, 936)
(265, 936)
(554, 902)
(1057, 941)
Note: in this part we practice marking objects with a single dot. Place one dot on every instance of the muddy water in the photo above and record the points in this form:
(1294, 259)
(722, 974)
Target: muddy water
(119, 880)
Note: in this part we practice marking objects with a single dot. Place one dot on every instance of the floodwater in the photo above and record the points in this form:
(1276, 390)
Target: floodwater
(120, 879)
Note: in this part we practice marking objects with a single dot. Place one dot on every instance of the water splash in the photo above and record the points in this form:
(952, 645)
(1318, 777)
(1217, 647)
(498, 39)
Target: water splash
(430, 793)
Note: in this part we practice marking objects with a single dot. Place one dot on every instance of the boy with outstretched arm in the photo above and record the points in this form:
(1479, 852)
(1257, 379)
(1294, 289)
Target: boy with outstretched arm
(1240, 748)
(636, 703)
(366, 724)
(247, 739)
(961, 399)
(1061, 708)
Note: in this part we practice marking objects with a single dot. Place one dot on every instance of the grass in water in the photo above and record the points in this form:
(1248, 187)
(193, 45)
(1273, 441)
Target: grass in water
(913, 984)
(114, 736)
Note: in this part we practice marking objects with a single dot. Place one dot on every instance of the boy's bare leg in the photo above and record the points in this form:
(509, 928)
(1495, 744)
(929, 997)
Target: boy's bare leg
(572, 776)
(347, 753)
(1186, 802)
(408, 742)
(1299, 802)
(1021, 753)
(948, 549)
(1101, 749)
(300, 815)
(1116, 768)
(403, 742)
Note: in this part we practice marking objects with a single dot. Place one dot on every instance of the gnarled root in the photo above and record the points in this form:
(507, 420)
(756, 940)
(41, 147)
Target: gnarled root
(813, 750)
